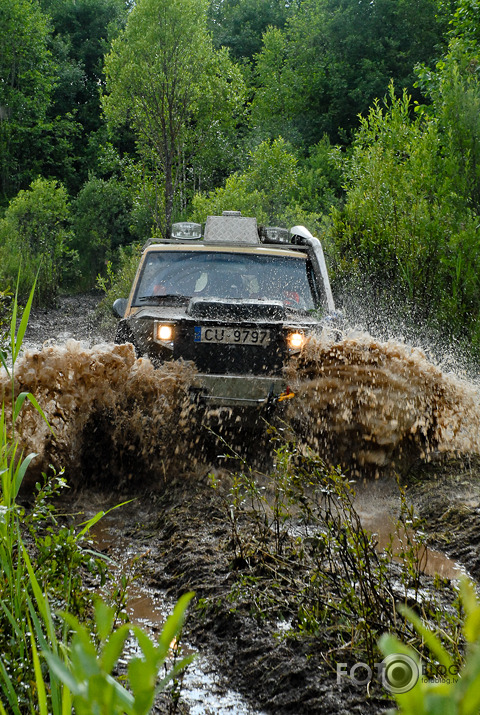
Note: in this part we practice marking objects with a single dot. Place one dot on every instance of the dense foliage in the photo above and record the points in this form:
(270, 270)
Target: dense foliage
(358, 119)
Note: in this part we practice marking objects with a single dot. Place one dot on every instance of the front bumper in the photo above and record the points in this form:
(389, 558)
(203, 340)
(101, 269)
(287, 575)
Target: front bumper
(240, 390)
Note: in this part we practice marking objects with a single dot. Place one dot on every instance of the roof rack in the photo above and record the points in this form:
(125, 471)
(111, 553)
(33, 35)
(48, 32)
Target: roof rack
(233, 228)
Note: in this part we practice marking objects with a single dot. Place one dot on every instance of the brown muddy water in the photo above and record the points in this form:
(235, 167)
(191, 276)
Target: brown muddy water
(370, 404)
(377, 503)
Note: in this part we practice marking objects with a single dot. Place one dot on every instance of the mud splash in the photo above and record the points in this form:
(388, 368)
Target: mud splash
(364, 404)
(108, 411)
(368, 404)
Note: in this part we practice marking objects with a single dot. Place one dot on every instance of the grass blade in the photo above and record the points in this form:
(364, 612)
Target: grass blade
(41, 692)
(9, 690)
(17, 339)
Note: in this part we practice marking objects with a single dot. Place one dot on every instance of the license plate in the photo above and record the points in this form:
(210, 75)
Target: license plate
(231, 336)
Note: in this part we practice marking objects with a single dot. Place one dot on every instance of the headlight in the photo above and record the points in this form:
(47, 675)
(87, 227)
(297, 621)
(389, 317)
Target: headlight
(164, 332)
(295, 340)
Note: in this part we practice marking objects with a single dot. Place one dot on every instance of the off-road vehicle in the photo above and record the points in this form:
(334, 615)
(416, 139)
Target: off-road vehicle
(238, 302)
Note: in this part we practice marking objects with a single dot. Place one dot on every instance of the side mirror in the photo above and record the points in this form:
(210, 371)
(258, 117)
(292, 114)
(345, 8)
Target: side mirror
(119, 307)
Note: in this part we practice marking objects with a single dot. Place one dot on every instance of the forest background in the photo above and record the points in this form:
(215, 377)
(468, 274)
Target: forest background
(360, 120)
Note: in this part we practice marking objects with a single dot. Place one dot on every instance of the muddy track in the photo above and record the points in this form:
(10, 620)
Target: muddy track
(184, 526)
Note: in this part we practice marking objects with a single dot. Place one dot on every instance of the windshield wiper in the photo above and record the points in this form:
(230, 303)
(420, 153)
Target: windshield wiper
(170, 297)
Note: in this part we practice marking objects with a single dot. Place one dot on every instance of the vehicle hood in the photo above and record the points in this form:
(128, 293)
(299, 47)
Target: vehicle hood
(227, 310)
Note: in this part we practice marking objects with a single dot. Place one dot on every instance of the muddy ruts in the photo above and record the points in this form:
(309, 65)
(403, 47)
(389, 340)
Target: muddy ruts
(113, 417)
(367, 404)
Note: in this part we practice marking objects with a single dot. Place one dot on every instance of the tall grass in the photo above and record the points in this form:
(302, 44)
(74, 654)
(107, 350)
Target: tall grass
(55, 661)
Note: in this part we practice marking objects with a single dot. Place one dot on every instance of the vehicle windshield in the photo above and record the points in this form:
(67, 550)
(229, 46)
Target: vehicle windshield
(214, 274)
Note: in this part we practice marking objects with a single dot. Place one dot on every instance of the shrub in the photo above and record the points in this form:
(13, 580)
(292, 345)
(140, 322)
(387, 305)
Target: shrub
(328, 577)
(117, 283)
(35, 236)
(269, 189)
(409, 226)
(101, 223)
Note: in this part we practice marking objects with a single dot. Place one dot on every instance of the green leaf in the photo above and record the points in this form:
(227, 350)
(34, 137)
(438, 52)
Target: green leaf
(3, 362)
(21, 471)
(430, 638)
(17, 342)
(411, 701)
(9, 690)
(147, 646)
(104, 618)
(18, 404)
(99, 515)
(142, 676)
(58, 667)
(113, 648)
(42, 602)
(175, 621)
(31, 398)
(17, 631)
(471, 626)
(124, 698)
(41, 692)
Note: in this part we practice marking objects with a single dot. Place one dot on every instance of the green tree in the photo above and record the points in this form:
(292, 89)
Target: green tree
(334, 58)
(320, 177)
(407, 224)
(81, 36)
(240, 24)
(453, 91)
(164, 77)
(269, 189)
(26, 83)
(83, 31)
(103, 219)
(35, 236)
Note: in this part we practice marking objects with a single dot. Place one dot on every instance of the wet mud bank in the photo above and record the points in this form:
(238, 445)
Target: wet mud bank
(185, 533)
(446, 495)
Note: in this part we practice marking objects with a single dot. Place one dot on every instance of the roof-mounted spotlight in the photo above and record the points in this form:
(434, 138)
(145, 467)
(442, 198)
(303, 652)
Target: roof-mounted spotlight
(187, 230)
(275, 234)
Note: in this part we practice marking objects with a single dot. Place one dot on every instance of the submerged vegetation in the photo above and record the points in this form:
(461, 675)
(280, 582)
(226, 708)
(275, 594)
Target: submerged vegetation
(299, 553)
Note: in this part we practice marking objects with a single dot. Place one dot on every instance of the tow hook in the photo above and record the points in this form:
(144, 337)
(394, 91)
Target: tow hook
(285, 395)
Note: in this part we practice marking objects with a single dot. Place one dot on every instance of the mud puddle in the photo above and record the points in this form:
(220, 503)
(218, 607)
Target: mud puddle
(204, 691)
(378, 505)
